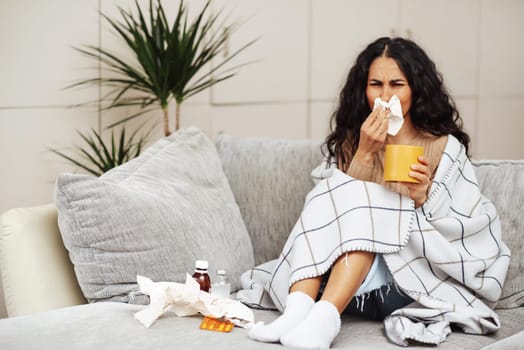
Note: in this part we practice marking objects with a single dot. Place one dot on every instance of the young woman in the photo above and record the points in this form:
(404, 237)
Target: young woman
(391, 69)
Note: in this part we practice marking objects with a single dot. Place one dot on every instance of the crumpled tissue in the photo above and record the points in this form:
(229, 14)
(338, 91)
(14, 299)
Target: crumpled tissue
(187, 299)
(396, 118)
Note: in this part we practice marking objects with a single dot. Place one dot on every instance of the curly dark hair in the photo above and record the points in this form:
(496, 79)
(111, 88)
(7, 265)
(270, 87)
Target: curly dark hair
(432, 109)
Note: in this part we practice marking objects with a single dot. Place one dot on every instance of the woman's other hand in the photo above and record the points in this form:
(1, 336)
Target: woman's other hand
(373, 134)
(419, 191)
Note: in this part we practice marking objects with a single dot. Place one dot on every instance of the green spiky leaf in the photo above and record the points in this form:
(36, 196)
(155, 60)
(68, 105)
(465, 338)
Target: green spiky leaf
(166, 56)
(96, 157)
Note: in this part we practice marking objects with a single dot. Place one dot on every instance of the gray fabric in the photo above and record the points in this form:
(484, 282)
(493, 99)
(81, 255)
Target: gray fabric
(152, 216)
(270, 180)
(513, 342)
(503, 183)
(112, 326)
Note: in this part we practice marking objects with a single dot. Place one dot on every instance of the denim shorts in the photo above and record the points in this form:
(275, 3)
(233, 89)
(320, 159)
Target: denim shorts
(378, 296)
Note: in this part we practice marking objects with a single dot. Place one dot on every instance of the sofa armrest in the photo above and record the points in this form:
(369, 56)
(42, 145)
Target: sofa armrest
(36, 272)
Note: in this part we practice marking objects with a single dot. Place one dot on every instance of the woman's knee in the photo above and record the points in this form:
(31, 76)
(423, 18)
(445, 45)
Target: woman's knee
(358, 260)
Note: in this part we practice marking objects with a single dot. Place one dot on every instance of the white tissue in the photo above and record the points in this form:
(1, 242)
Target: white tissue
(396, 118)
(187, 299)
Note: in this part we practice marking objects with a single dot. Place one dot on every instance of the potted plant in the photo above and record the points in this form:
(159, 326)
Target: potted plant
(167, 58)
(170, 61)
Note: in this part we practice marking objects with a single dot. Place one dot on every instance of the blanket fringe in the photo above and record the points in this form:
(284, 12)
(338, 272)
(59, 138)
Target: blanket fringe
(361, 299)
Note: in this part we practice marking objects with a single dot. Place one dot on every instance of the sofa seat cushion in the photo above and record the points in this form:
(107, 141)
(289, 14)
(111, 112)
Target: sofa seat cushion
(110, 325)
(153, 216)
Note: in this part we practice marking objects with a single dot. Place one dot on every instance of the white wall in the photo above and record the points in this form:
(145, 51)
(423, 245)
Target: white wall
(305, 49)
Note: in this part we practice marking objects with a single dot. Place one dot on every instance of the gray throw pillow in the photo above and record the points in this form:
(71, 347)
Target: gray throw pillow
(153, 216)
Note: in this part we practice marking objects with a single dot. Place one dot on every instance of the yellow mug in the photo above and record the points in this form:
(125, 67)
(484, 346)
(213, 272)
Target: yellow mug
(398, 160)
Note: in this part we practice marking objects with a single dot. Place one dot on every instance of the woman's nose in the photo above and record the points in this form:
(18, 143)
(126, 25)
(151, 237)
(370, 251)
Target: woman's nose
(386, 94)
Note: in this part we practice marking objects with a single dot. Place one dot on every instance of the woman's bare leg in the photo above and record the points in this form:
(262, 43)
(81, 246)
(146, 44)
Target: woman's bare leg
(347, 274)
(297, 326)
(309, 286)
(322, 324)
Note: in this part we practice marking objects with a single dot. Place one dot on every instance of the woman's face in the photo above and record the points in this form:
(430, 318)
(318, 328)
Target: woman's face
(385, 79)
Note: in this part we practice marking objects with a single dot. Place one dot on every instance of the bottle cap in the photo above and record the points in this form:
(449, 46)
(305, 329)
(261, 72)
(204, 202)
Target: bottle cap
(201, 264)
(221, 272)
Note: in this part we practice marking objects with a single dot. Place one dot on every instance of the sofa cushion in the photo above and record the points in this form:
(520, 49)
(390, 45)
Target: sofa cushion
(503, 183)
(152, 216)
(33, 261)
(112, 326)
(270, 179)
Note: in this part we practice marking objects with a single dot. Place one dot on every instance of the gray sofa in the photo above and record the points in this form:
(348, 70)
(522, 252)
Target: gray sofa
(269, 179)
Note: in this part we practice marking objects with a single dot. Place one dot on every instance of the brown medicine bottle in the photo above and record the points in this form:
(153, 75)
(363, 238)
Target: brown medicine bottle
(201, 276)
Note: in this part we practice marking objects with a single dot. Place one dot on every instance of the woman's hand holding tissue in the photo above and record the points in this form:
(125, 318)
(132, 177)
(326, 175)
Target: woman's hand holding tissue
(187, 299)
(385, 118)
(372, 136)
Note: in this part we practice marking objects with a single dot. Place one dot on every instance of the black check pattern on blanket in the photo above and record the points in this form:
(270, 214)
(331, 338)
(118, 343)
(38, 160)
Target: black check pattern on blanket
(447, 255)
(340, 214)
(455, 262)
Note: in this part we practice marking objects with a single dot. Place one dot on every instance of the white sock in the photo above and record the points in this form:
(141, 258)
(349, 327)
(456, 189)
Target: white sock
(298, 305)
(317, 331)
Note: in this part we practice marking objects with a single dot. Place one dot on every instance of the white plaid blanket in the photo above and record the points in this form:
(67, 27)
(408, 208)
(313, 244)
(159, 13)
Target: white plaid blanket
(447, 255)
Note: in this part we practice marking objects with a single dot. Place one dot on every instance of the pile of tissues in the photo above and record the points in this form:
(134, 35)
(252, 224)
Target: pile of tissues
(186, 299)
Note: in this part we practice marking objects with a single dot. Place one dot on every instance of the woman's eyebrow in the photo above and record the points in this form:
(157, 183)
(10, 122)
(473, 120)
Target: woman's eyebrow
(397, 80)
